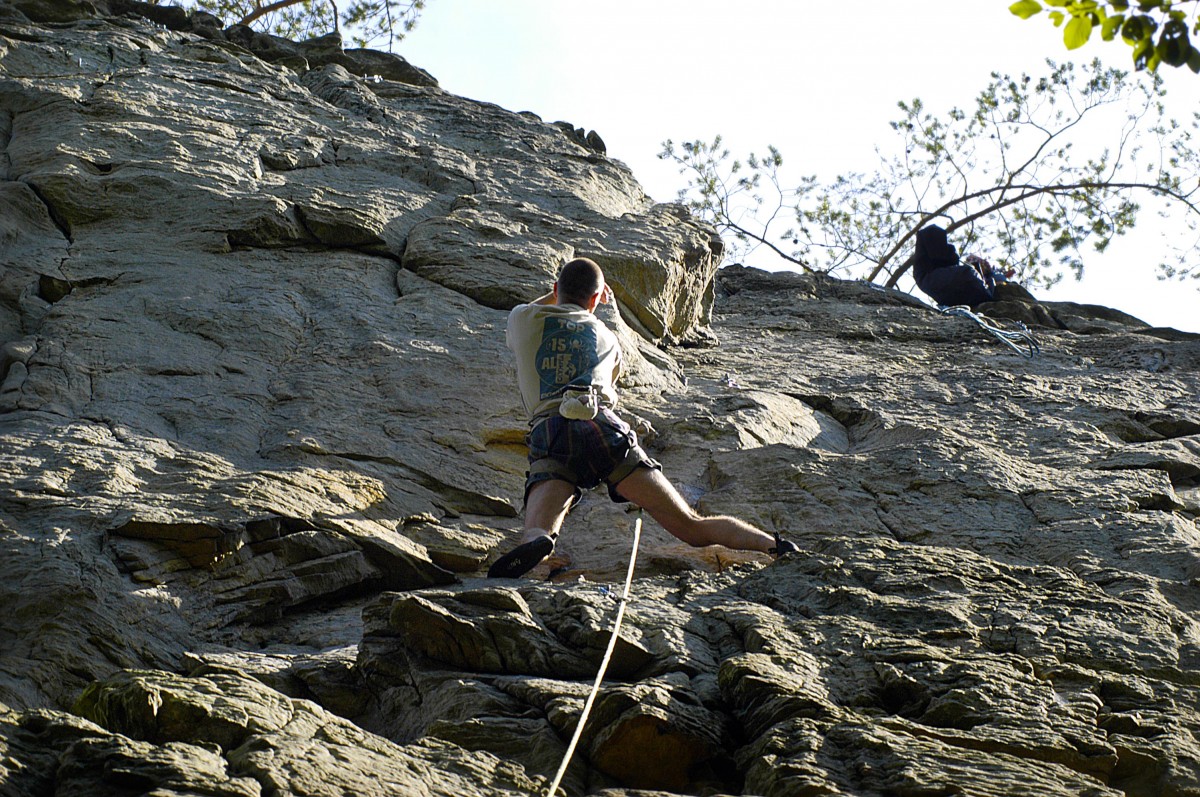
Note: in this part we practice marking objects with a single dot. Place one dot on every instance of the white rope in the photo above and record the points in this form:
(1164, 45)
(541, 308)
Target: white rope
(1020, 340)
(612, 643)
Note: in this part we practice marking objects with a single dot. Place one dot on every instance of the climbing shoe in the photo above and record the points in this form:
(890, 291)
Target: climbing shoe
(522, 559)
(782, 547)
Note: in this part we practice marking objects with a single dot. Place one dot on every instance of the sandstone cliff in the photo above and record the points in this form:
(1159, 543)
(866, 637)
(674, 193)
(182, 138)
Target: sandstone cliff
(259, 439)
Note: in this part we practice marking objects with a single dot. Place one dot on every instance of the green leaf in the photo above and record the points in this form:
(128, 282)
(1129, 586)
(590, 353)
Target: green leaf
(1136, 30)
(1108, 31)
(1058, 3)
(1078, 31)
(1173, 45)
(1142, 51)
(1193, 61)
(1025, 8)
(1171, 53)
(1057, 17)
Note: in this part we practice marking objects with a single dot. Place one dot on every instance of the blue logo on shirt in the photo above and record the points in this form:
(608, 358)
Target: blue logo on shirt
(568, 353)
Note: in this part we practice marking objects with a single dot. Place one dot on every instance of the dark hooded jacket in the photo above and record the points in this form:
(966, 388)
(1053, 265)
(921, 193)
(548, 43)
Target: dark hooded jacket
(941, 277)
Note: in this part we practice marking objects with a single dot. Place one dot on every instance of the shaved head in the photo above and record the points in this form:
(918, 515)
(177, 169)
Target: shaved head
(579, 280)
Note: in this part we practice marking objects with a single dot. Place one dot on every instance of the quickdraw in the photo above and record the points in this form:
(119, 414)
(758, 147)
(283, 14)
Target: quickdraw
(1020, 339)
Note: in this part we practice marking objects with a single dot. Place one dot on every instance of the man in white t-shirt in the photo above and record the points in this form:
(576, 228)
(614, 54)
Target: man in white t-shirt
(568, 362)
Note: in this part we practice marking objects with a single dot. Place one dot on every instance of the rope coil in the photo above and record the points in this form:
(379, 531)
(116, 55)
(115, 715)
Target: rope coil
(612, 643)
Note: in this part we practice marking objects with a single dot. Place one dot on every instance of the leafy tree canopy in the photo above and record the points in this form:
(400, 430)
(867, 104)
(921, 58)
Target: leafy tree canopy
(1035, 169)
(369, 23)
(1159, 31)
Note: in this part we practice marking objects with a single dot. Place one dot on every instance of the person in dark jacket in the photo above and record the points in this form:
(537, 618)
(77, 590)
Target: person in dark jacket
(942, 277)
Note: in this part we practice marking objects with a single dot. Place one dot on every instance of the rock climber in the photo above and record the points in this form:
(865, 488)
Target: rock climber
(970, 281)
(944, 278)
(567, 366)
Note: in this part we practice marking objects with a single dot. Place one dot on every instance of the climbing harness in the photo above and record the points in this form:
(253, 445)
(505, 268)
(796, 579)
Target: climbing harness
(1020, 340)
(612, 643)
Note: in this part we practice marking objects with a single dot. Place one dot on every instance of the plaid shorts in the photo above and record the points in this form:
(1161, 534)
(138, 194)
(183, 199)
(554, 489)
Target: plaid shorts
(584, 453)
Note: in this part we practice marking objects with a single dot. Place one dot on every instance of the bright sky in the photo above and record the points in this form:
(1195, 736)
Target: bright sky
(819, 80)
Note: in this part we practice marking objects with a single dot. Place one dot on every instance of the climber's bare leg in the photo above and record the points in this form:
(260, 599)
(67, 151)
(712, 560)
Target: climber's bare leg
(649, 489)
(546, 508)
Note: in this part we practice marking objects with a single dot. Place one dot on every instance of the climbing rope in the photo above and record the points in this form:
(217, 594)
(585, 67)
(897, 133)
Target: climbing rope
(612, 643)
(1020, 340)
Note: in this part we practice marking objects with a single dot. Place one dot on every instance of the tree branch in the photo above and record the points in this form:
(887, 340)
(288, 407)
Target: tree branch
(262, 11)
(1027, 192)
(755, 237)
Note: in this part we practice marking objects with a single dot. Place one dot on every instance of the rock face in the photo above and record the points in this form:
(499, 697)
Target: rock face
(260, 437)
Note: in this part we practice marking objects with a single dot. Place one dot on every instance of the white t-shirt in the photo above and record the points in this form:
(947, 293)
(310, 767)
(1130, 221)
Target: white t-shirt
(560, 345)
